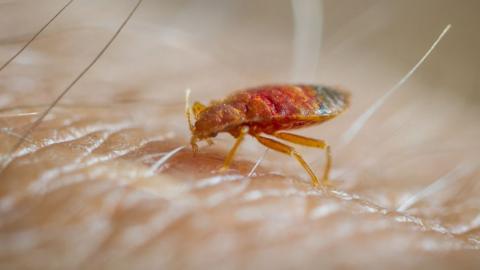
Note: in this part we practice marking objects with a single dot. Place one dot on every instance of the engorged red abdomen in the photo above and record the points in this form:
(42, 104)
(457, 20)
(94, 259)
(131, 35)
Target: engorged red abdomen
(271, 108)
(278, 107)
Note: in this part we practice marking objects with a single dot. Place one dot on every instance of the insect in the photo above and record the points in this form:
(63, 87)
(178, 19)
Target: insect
(270, 110)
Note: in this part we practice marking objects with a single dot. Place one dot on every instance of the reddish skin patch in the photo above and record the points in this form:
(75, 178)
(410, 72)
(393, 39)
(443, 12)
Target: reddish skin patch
(271, 108)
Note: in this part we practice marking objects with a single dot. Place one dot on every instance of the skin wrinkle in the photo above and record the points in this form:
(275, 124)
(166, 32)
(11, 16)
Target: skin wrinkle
(106, 213)
(41, 182)
(398, 216)
(39, 199)
(107, 157)
(188, 211)
(207, 183)
(87, 131)
(302, 194)
(159, 233)
(76, 164)
(104, 240)
(53, 143)
(151, 157)
(74, 135)
(13, 134)
(162, 225)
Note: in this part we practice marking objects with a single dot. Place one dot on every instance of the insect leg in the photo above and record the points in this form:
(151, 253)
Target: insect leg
(283, 148)
(232, 152)
(311, 143)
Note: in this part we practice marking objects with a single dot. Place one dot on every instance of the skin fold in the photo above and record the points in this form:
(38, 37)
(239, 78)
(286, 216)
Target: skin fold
(108, 180)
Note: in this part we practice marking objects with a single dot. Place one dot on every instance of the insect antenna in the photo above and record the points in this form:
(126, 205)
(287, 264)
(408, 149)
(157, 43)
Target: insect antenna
(188, 114)
(35, 36)
(37, 122)
(188, 110)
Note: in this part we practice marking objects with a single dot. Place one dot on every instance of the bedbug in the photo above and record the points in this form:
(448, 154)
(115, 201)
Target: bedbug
(270, 110)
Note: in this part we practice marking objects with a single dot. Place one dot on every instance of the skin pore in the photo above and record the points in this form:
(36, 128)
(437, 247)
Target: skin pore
(104, 182)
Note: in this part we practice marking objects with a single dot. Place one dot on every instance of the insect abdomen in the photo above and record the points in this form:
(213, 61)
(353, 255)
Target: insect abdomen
(276, 101)
(331, 102)
(288, 101)
(272, 108)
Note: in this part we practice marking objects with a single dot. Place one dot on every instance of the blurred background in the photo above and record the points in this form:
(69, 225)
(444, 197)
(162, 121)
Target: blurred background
(417, 155)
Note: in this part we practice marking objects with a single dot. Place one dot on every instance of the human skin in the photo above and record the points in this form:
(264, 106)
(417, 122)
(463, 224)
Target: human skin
(92, 186)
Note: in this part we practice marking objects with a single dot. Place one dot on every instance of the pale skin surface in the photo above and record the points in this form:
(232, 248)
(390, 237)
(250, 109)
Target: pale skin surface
(103, 184)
